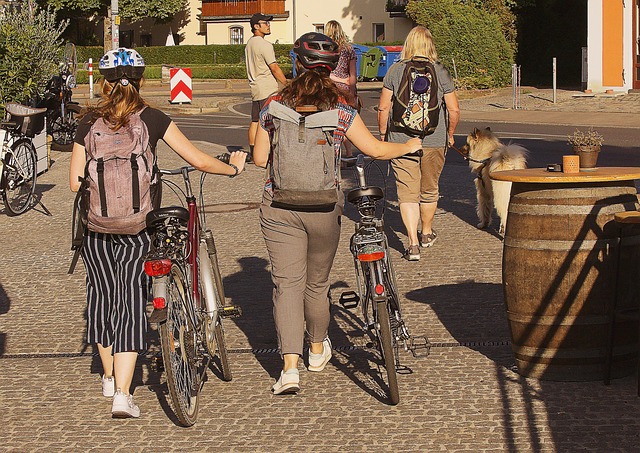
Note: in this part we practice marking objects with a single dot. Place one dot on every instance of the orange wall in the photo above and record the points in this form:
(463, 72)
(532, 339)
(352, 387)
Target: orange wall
(612, 36)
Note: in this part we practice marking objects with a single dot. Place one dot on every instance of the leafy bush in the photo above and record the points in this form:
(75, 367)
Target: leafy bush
(213, 54)
(30, 50)
(220, 71)
(471, 36)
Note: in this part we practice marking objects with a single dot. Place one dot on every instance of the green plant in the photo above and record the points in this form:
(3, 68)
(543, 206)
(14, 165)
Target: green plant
(30, 50)
(471, 36)
(585, 138)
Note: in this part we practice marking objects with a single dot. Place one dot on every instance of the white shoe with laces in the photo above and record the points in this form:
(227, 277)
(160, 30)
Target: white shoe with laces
(288, 383)
(317, 362)
(123, 406)
(108, 386)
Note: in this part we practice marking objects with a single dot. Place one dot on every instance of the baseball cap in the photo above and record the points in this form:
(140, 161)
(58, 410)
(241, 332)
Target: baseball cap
(257, 17)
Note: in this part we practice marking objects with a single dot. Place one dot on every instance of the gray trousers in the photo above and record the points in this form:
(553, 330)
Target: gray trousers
(301, 247)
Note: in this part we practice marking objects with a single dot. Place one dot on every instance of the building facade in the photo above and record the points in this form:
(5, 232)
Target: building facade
(613, 45)
(227, 21)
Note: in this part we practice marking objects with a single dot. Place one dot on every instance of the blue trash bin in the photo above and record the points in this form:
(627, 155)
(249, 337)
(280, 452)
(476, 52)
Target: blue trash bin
(390, 54)
(360, 51)
(293, 62)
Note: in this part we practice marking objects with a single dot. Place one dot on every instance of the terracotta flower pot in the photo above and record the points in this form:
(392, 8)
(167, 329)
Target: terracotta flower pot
(588, 155)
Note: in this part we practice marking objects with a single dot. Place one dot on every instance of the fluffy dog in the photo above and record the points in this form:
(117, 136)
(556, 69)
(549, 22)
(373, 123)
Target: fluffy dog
(486, 154)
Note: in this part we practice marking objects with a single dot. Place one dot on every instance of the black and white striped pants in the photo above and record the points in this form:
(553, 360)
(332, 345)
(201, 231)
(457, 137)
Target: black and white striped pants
(117, 290)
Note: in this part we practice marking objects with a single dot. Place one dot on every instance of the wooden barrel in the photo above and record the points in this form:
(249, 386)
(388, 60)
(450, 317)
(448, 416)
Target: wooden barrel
(559, 278)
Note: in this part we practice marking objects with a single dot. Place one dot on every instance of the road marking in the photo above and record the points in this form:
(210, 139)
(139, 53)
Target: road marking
(231, 108)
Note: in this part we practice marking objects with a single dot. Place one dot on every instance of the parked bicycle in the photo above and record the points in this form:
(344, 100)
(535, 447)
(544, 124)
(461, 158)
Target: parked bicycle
(18, 156)
(188, 297)
(62, 112)
(377, 290)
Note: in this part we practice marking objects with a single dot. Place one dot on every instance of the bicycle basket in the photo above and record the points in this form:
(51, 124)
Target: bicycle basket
(29, 120)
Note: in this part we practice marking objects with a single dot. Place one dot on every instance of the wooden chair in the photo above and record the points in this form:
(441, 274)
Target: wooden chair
(623, 220)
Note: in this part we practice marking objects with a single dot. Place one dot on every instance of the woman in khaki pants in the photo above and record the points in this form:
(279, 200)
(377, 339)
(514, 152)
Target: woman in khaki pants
(302, 245)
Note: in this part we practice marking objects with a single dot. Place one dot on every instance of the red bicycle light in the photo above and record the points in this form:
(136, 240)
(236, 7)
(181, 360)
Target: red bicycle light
(371, 253)
(157, 268)
(379, 289)
(159, 303)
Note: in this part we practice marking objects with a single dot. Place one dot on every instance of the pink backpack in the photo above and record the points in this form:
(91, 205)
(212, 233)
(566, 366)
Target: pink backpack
(120, 176)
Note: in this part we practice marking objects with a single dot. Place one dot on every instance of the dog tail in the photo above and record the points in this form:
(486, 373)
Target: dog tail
(510, 156)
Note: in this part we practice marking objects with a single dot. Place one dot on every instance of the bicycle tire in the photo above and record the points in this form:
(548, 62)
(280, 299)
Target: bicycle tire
(63, 130)
(177, 338)
(221, 343)
(20, 175)
(383, 327)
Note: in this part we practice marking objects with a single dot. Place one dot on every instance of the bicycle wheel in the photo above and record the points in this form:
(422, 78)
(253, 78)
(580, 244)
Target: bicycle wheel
(63, 129)
(386, 348)
(178, 340)
(20, 175)
(221, 344)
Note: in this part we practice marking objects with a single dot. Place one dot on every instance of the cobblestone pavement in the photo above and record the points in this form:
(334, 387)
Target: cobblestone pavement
(465, 396)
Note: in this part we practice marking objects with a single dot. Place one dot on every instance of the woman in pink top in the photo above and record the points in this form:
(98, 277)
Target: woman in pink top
(344, 75)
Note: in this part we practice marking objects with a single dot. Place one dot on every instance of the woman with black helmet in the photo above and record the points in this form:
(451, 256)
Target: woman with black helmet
(302, 245)
(117, 286)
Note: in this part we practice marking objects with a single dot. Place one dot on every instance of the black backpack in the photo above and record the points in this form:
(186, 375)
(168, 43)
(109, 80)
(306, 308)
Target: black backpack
(416, 107)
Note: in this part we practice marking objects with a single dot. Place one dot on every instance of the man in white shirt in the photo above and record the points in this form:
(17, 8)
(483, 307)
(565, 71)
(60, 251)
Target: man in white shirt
(262, 69)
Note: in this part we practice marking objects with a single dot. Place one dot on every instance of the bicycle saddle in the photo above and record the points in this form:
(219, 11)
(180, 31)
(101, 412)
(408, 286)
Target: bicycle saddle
(373, 193)
(158, 216)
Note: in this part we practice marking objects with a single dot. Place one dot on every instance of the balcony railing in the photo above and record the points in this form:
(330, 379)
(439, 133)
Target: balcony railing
(231, 8)
(396, 6)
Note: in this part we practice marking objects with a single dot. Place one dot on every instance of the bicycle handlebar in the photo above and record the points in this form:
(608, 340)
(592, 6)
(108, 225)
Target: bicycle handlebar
(188, 168)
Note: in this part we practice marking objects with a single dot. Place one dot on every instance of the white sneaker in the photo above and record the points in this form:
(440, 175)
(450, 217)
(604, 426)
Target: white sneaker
(317, 362)
(123, 406)
(108, 386)
(288, 383)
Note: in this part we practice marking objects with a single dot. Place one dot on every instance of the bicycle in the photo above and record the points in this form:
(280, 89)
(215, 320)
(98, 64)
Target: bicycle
(18, 156)
(188, 296)
(376, 283)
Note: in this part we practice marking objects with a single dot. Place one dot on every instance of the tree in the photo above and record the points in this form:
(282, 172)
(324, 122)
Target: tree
(30, 50)
(131, 10)
(472, 37)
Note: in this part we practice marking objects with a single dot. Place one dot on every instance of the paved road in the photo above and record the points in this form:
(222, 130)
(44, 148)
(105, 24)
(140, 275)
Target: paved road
(465, 396)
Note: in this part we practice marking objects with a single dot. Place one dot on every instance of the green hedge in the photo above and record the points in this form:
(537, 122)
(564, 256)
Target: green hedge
(220, 71)
(187, 55)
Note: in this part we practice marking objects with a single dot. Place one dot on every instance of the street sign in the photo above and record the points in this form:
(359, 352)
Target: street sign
(181, 88)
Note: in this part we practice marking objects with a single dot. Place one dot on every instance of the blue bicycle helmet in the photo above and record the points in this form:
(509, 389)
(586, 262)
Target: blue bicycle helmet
(121, 63)
(315, 50)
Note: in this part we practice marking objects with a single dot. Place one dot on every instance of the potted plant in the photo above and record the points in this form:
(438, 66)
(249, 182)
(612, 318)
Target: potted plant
(586, 144)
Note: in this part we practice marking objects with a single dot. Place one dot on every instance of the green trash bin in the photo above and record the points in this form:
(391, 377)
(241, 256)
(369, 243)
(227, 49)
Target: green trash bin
(369, 63)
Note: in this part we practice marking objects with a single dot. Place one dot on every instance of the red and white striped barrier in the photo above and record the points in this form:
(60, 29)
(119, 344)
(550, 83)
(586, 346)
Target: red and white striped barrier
(180, 82)
(90, 78)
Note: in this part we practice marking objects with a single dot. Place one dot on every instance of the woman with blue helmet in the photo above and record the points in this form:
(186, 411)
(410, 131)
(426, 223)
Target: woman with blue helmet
(117, 287)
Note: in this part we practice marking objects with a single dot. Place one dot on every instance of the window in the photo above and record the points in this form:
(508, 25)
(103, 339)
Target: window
(236, 35)
(319, 28)
(145, 40)
(126, 38)
(378, 32)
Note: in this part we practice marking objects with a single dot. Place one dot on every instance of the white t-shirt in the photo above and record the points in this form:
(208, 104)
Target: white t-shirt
(259, 54)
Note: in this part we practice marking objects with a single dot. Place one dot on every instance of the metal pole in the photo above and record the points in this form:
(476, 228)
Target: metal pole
(90, 78)
(554, 79)
(115, 25)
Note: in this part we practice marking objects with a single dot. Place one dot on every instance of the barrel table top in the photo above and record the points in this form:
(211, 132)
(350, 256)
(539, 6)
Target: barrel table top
(541, 175)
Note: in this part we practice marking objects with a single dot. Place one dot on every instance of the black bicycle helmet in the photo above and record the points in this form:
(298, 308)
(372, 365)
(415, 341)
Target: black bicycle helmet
(121, 63)
(315, 50)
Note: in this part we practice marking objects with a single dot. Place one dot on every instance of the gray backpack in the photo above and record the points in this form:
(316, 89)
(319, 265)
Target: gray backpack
(304, 162)
(119, 175)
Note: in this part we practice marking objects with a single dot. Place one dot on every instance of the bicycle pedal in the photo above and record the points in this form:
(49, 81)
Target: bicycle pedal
(231, 311)
(349, 299)
(419, 346)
